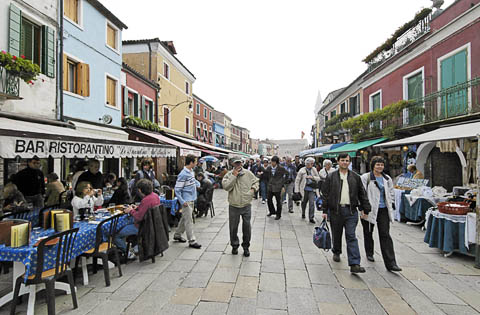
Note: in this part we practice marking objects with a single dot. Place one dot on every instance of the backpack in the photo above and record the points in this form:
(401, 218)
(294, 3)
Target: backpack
(321, 236)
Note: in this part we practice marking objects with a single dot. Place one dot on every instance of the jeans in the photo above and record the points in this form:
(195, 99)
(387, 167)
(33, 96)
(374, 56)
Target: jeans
(386, 243)
(127, 230)
(234, 215)
(186, 223)
(348, 220)
(309, 197)
(271, 207)
(289, 191)
(263, 190)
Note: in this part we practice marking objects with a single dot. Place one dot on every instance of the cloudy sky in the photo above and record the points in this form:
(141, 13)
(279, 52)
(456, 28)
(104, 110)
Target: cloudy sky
(263, 62)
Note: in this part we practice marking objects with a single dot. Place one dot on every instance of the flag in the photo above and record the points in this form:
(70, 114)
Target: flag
(303, 134)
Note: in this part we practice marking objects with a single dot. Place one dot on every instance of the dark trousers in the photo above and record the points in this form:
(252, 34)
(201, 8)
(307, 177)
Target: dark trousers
(386, 243)
(234, 215)
(36, 201)
(309, 197)
(348, 220)
(271, 207)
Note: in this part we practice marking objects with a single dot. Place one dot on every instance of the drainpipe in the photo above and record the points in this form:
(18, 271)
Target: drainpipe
(150, 62)
(60, 66)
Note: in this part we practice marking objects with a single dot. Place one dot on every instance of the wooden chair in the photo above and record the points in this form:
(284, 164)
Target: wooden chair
(64, 242)
(102, 250)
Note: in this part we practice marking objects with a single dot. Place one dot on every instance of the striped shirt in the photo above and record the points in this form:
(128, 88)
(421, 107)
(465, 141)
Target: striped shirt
(186, 186)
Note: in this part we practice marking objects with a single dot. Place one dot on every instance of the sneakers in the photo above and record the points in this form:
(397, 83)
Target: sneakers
(195, 245)
(179, 239)
(246, 252)
(357, 269)
(336, 258)
(263, 202)
(234, 251)
(370, 258)
(291, 210)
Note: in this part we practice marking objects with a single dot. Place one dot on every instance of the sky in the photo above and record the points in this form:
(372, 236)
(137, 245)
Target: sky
(263, 62)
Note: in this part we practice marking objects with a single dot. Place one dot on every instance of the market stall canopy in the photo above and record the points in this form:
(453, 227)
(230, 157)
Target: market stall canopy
(185, 149)
(312, 152)
(445, 133)
(28, 139)
(352, 148)
(202, 145)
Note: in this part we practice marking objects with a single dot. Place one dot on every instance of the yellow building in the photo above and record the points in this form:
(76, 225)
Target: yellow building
(155, 59)
(228, 131)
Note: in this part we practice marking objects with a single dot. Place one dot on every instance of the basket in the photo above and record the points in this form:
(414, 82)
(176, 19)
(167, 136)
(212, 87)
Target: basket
(455, 208)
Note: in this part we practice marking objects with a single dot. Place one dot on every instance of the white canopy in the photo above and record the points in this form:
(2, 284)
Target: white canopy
(445, 133)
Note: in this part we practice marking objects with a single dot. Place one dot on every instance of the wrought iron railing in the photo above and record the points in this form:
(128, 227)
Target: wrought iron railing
(9, 83)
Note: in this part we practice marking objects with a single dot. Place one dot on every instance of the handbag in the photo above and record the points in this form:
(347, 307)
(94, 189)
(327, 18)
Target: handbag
(321, 236)
(297, 196)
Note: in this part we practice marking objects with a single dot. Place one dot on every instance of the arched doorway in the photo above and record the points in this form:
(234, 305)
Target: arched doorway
(444, 169)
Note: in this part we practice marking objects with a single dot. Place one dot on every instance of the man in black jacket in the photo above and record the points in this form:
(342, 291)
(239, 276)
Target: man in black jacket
(343, 196)
(276, 176)
(31, 182)
(92, 175)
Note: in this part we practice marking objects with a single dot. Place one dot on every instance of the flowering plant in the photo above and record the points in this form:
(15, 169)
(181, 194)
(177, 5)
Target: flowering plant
(23, 68)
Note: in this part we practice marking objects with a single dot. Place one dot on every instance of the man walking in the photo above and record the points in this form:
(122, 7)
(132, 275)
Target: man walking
(343, 196)
(186, 192)
(276, 176)
(241, 185)
(307, 184)
(290, 181)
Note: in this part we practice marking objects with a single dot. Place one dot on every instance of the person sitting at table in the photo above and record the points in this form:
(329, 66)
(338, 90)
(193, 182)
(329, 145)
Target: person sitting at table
(416, 173)
(110, 180)
(92, 175)
(148, 200)
(54, 189)
(205, 193)
(86, 197)
(12, 198)
(121, 195)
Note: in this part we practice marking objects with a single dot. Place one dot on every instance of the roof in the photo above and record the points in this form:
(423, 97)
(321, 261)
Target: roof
(109, 15)
(334, 94)
(164, 45)
(140, 76)
(202, 101)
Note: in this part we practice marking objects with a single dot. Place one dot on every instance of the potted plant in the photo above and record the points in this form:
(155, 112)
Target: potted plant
(20, 67)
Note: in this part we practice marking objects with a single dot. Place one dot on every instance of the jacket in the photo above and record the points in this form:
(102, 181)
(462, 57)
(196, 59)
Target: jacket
(240, 188)
(332, 189)
(30, 181)
(291, 173)
(153, 233)
(186, 186)
(373, 192)
(54, 189)
(205, 194)
(301, 180)
(275, 182)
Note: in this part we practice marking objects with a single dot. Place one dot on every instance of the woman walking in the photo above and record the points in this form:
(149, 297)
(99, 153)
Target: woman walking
(379, 187)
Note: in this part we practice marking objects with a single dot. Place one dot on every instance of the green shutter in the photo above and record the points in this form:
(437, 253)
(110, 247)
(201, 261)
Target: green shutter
(125, 101)
(48, 51)
(135, 105)
(414, 86)
(26, 40)
(150, 112)
(143, 108)
(14, 30)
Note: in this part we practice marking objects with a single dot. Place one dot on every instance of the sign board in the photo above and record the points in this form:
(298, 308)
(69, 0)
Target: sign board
(411, 183)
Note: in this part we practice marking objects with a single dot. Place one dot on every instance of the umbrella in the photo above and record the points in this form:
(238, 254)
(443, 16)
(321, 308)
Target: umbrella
(209, 158)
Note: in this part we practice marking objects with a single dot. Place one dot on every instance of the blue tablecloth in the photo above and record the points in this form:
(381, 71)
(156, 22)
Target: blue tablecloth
(446, 235)
(415, 212)
(84, 241)
(173, 204)
(31, 216)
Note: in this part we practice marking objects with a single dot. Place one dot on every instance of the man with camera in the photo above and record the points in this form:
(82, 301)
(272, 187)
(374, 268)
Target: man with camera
(307, 183)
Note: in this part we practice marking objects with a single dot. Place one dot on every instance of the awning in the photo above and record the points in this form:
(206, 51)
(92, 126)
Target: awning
(314, 151)
(185, 149)
(445, 133)
(201, 144)
(27, 139)
(352, 148)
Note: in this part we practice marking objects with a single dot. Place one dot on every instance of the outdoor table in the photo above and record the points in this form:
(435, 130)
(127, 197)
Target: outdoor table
(416, 211)
(31, 216)
(25, 258)
(449, 233)
(398, 202)
(170, 204)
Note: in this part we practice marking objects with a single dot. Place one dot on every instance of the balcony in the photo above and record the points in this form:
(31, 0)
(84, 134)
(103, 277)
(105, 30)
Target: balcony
(9, 85)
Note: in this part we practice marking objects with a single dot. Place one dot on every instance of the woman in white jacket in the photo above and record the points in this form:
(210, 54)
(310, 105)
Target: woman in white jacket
(85, 197)
(379, 187)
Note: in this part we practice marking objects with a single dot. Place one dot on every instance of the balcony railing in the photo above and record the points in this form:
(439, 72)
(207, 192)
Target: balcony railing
(9, 84)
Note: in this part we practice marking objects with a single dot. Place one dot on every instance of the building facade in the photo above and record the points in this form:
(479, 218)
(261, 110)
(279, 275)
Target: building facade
(227, 123)
(254, 146)
(219, 129)
(155, 59)
(235, 143)
(203, 120)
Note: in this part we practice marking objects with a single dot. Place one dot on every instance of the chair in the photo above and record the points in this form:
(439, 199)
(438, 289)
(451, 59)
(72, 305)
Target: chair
(19, 213)
(64, 242)
(102, 250)
(65, 199)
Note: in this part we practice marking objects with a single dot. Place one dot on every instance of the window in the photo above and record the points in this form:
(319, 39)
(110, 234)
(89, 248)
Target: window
(187, 88)
(210, 116)
(354, 105)
(70, 10)
(198, 108)
(30, 41)
(205, 113)
(130, 104)
(342, 108)
(375, 104)
(149, 115)
(187, 125)
(111, 91)
(166, 71)
(112, 36)
(166, 117)
(415, 86)
(76, 78)
(333, 113)
(454, 71)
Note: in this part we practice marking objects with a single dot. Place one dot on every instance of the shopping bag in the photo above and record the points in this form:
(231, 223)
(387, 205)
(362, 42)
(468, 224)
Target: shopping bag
(321, 236)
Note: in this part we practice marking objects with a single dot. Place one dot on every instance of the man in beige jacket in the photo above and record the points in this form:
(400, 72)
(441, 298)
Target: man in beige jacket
(241, 185)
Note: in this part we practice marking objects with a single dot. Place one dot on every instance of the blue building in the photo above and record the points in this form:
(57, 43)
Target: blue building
(92, 63)
(219, 134)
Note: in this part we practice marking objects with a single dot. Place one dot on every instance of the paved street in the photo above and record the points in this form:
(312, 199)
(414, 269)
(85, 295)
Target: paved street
(285, 274)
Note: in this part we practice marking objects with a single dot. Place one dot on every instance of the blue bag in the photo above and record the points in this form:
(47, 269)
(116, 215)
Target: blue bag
(321, 236)
(318, 203)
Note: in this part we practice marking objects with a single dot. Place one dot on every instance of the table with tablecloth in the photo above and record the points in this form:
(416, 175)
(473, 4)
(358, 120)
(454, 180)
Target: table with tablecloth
(450, 232)
(398, 203)
(32, 216)
(172, 204)
(416, 211)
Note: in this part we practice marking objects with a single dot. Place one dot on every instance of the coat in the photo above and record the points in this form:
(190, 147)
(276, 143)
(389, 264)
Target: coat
(153, 233)
(301, 180)
(54, 189)
(239, 188)
(275, 182)
(373, 192)
(332, 189)
(205, 194)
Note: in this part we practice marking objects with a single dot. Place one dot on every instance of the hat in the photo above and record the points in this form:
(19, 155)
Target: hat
(236, 159)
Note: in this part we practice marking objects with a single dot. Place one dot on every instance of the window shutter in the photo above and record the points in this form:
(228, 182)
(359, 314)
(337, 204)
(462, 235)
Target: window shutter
(14, 30)
(65, 72)
(125, 101)
(48, 51)
(83, 79)
(135, 105)
(150, 112)
(154, 111)
(143, 108)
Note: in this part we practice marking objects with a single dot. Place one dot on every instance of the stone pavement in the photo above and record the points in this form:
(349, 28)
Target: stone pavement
(285, 274)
